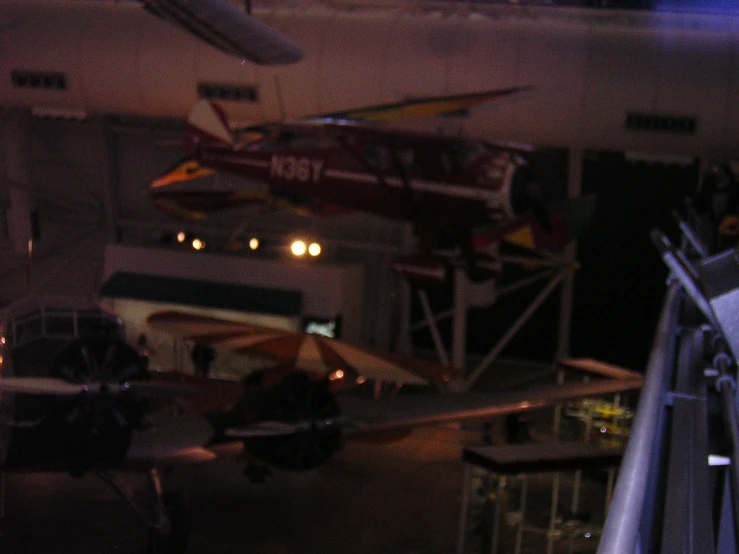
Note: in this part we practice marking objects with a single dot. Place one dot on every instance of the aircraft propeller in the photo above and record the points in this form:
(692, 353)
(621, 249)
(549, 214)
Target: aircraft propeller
(297, 425)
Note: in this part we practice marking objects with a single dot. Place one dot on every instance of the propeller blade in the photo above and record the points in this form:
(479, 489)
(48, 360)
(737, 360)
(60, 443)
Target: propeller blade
(40, 386)
(153, 389)
(58, 387)
(275, 428)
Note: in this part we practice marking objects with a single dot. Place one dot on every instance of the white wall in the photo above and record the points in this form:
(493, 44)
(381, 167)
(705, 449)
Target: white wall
(590, 67)
(327, 291)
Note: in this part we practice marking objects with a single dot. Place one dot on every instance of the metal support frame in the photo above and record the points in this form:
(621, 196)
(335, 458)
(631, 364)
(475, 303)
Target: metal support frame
(688, 524)
(522, 506)
(438, 342)
(459, 327)
(515, 327)
(464, 508)
(726, 386)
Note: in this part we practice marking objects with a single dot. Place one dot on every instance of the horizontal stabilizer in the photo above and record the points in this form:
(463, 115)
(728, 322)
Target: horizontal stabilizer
(230, 30)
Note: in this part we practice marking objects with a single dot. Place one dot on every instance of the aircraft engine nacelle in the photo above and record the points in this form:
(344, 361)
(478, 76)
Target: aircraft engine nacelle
(298, 398)
(90, 429)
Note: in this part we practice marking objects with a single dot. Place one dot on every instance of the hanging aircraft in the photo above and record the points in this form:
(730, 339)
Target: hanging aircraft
(76, 398)
(474, 191)
(232, 31)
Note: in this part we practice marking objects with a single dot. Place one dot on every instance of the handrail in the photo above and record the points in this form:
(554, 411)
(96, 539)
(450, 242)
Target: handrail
(621, 530)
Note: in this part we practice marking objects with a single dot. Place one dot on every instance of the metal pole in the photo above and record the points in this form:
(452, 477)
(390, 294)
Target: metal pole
(578, 473)
(519, 533)
(553, 513)
(464, 508)
(524, 282)
(727, 387)
(609, 489)
(621, 530)
(496, 514)
(438, 343)
(520, 322)
(459, 336)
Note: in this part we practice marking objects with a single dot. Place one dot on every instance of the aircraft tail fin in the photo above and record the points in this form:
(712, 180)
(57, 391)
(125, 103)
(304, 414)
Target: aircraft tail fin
(207, 123)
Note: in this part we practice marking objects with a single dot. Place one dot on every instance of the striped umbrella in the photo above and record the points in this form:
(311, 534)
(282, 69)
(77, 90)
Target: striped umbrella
(308, 352)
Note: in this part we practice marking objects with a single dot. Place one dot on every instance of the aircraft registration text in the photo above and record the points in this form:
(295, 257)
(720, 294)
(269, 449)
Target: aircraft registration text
(295, 168)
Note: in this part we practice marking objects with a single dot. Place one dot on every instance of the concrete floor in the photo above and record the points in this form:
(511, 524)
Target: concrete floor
(393, 498)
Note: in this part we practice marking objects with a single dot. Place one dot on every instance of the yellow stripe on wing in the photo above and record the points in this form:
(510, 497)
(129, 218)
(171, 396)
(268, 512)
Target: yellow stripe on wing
(425, 107)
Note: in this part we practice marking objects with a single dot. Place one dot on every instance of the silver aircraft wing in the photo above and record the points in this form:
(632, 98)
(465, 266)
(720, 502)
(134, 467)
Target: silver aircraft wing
(365, 415)
(230, 30)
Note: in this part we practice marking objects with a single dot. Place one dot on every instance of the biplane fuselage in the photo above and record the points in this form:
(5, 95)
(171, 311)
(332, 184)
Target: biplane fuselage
(394, 174)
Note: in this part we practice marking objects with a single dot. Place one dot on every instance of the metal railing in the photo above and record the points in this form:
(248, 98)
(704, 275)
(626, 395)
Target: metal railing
(623, 531)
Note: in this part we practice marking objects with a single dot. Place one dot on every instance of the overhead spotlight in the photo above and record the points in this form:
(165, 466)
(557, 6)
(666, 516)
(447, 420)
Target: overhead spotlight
(254, 243)
(361, 380)
(181, 237)
(314, 249)
(198, 244)
(298, 248)
(338, 374)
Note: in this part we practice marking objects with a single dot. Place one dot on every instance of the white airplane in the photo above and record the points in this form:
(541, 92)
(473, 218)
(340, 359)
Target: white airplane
(75, 398)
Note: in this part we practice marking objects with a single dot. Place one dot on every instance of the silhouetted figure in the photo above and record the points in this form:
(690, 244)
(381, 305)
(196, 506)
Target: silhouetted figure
(202, 356)
(142, 349)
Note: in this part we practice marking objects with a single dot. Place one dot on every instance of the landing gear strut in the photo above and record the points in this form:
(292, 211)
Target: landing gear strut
(163, 512)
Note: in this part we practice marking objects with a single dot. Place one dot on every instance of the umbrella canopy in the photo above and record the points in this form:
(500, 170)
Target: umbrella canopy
(303, 351)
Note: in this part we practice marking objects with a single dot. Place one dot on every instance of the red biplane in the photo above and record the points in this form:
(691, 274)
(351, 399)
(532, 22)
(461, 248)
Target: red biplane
(442, 184)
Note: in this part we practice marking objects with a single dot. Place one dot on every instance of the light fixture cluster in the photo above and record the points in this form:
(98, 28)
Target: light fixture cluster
(300, 248)
(185, 238)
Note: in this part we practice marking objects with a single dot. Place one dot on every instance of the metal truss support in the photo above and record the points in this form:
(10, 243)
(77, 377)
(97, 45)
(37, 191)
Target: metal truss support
(459, 334)
(438, 342)
(517, 325)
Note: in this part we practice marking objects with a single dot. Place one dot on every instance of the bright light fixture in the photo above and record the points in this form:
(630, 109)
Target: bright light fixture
(298, 248)
(253, 243)
(181, 236)
(198, 244)
(314, 249)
